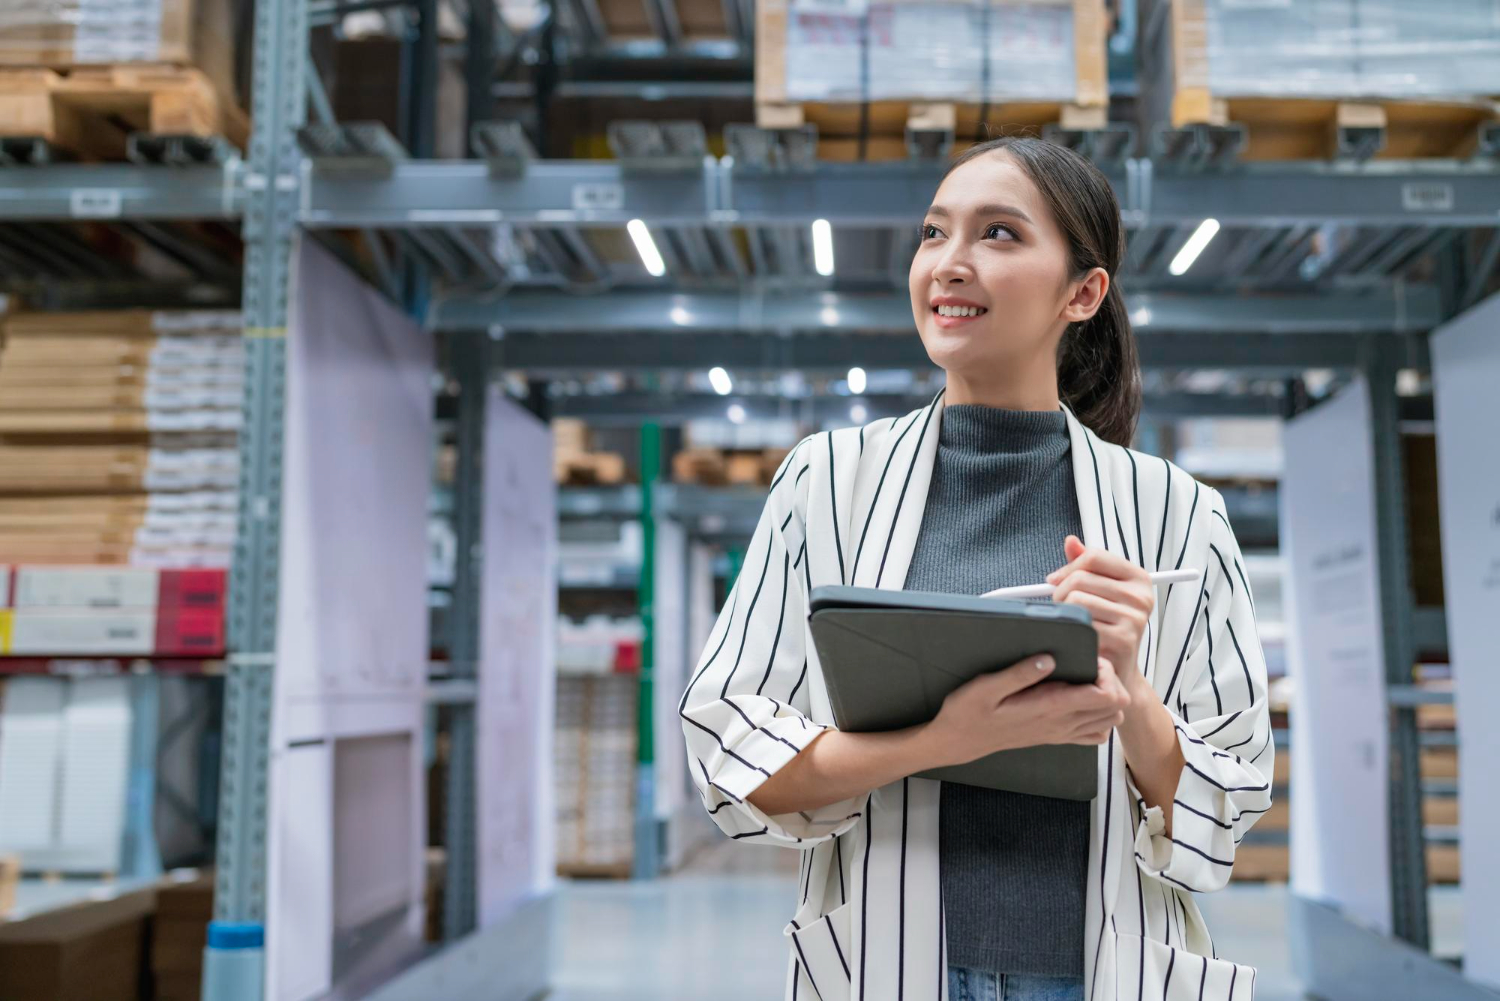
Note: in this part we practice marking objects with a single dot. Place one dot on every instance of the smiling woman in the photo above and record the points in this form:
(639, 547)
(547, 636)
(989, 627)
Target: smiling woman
(1019, 470)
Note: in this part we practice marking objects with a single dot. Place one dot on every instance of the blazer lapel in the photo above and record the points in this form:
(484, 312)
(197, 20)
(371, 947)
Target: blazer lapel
(897, 516)
(1092, 482)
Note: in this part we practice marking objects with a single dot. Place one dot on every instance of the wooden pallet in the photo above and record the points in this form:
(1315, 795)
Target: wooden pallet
(1322, 129)
(91, 111)
(582, 469)
(897, 129)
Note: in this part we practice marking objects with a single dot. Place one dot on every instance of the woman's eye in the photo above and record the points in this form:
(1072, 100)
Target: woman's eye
(929, 231)
(995, 232)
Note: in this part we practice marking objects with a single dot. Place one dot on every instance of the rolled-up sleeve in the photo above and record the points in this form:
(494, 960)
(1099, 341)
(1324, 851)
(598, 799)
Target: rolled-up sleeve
(1223, 723)
(745, 712)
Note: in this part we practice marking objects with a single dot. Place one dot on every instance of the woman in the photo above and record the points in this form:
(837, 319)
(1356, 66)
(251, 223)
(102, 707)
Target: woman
(1019, 470)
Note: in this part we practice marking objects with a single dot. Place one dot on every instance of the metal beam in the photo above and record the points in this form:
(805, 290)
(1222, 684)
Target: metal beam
(63, 192)
(876, 194)
(835, 352)
(633, 409)
(549, 193)
(1385, 310)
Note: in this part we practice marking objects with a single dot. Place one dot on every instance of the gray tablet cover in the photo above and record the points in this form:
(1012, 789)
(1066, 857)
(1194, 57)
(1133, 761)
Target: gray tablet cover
(890, 658)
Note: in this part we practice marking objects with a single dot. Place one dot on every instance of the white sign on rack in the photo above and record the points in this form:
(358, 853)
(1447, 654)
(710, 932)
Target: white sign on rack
(1465, 372)
(1339, 843)
(517, 652)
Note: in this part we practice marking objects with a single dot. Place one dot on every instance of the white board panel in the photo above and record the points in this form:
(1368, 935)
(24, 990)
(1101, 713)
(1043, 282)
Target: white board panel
(1340, 846)
(1465, 375)
(517, 639)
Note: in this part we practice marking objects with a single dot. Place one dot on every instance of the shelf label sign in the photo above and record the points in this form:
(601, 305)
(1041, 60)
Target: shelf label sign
(1427, 196)
(608, 197)
(95, 203)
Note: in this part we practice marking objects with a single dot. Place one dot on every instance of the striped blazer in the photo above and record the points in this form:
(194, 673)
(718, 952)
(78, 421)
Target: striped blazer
(846, 508)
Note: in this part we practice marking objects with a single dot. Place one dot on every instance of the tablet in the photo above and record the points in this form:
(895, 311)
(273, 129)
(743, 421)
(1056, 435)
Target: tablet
(889, 659)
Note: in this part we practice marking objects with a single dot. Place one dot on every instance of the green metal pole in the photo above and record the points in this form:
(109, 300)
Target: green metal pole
(647, 842)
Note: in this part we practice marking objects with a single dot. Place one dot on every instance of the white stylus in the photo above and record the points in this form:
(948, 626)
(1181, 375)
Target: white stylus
(1184, 576)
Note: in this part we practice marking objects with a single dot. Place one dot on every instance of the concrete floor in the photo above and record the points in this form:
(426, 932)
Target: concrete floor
(644, 941)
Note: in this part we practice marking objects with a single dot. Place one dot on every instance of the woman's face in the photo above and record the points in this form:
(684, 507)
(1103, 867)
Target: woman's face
(992, 253)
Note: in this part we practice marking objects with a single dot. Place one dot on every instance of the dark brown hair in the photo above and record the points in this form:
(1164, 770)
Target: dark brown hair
(1098, 370)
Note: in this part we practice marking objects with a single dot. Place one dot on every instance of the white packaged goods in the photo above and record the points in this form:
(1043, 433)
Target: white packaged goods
(932, 51)
(40, 631)
(31, 737)
(85, 587)
(1351, 48)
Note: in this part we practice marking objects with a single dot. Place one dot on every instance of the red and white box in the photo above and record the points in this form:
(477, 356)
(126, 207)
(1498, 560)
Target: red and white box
(117, 587)
(189, 632)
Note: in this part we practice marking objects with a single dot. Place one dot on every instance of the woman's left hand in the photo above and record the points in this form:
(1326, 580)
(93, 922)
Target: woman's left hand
(1118, 594)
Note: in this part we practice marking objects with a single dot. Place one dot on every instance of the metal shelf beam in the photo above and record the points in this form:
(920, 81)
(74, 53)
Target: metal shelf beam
(833, 353)
(1415, 308)
(566, 192)
(64, 192)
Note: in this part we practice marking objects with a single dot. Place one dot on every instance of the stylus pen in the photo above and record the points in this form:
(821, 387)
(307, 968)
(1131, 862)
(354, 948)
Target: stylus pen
(1184, 576)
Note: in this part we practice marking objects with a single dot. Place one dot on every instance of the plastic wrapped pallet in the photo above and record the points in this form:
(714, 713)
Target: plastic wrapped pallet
(1425, 73)
(1351, 48)
(66, 33)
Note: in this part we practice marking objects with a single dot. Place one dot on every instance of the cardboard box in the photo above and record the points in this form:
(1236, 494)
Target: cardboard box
(179, 933)
(92, 951)
(189, 632)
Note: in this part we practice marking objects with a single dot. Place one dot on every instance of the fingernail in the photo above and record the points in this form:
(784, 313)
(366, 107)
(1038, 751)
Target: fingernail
(1045, 663)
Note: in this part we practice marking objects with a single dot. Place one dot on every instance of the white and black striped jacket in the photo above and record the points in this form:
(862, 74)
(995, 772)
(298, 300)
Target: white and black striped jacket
(846, 508)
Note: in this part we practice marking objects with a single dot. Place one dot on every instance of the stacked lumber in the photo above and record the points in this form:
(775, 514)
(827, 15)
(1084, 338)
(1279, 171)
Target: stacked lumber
(1316, 81)
(575, 464)
(870, 76)
(117, 438)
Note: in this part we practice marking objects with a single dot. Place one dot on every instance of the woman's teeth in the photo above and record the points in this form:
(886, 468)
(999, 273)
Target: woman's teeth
(959, 310)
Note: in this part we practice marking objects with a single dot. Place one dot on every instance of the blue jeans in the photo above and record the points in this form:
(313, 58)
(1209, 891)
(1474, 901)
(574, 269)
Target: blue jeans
(965, 984)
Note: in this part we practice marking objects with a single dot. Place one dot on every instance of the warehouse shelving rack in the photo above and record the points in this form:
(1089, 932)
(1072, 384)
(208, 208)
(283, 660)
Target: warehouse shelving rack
(1312, 302)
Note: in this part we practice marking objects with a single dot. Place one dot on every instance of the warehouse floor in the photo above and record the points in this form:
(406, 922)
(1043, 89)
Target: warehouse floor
(713, 930)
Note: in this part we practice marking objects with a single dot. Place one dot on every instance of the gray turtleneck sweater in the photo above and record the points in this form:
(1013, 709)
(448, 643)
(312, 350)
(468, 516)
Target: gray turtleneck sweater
(1013, 866)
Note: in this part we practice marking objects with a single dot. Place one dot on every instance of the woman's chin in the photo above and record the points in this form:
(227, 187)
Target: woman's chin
(954, 349)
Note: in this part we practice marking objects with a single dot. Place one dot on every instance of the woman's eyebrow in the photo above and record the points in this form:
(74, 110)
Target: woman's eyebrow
(990, 210)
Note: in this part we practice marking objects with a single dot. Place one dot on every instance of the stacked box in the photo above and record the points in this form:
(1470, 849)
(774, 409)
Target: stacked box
(67, 33)
(595, 774)
(91, 951)
(117, 437)
(184, 907)
(114, 611)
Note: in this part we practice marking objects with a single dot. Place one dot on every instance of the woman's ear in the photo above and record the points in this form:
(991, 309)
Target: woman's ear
(1088, 296)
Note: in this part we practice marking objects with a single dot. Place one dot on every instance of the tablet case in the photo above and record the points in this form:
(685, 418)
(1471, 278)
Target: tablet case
(889, 659)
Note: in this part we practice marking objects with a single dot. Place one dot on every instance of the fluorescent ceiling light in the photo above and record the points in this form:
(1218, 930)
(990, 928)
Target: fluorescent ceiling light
(646, 247)
(736, 413)
(858, 414)
(1194, 246)
(822, 236)
(719, 379)
(857, 380)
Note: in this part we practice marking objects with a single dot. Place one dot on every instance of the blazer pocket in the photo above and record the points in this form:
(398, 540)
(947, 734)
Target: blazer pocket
(1178, 975)
(823, 950)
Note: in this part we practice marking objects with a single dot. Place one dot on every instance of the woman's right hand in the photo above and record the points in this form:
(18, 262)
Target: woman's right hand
(1019, 707)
